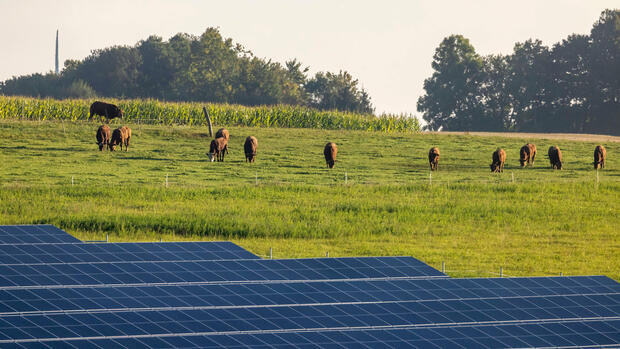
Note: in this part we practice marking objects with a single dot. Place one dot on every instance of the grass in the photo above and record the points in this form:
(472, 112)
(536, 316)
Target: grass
(543, 223)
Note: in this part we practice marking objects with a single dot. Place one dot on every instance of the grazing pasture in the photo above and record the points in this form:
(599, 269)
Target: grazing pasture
(380, 199)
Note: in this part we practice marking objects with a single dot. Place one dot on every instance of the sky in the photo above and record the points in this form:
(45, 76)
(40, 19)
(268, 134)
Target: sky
(387, 45)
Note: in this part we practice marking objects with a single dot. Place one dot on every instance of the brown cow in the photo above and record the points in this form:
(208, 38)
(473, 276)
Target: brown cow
(251, 143)
(127, 131)
(330, 152)
(103, 136)
(555, 157)
(527, 154)
(433, 158)
(499, 158)
(120, 136)
(600, 153)
(223, 133)
(217, 149)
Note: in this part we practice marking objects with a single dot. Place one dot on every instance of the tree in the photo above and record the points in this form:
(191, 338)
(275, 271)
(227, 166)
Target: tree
(496, 101)
(571, 96)
(453, 98)
(529, 83)
(338, 91)
(604, 73)
(156, 70)
(112, 71)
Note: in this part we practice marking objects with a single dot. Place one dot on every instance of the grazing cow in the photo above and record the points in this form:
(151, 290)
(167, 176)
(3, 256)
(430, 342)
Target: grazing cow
(127, 131)
(103, 136)
(599, 157)
(330, 152)
(555, 157)
(251, 143)
(433, 158)
(527, 154)
(223, 133)
(217, 148)
(120, 136)
(499, 158)
(110, 111)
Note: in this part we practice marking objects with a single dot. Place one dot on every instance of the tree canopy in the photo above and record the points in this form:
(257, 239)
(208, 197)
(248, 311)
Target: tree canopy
(205, 68)
(573, 86)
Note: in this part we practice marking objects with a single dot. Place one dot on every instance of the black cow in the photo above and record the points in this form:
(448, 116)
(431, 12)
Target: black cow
(110, 111)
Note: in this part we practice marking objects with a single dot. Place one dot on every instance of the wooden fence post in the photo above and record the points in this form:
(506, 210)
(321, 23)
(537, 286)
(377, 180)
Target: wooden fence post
(204, 110)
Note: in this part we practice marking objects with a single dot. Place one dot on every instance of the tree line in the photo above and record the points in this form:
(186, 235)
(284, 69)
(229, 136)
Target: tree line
(205, 68)
(573, 86)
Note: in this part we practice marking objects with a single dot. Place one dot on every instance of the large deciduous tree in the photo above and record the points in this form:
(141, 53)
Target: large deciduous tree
(338, 91)
(453, 100)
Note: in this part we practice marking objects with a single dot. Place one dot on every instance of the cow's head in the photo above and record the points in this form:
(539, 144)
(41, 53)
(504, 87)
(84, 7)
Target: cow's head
(101, 145)
(494, 167)
(597, 165)
(112, 146)
(211, 156)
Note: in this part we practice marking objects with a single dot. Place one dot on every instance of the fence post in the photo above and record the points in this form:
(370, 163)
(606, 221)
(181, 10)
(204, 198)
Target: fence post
(71, 180)
(513, 176)
(501, 271)
(270, 253)
(443, 267)
(430, 178)
(166, 180)
(346, 177)
(204, 110)
(107, 237)
(327, 254)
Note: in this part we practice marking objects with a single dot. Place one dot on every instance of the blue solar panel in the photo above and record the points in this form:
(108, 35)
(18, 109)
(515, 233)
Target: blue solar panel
(120, 252)
(69, 294)
(62, 298)
(234, 319)
(33, 234)
(115, 273)
(566, 334)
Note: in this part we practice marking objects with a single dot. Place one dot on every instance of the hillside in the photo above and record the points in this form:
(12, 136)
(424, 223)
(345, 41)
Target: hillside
(379, 200)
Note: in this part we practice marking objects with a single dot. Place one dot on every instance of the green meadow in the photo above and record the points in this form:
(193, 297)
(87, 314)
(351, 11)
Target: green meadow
(379, 200)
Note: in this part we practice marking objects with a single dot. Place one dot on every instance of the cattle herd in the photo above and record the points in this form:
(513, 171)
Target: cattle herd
(219, 146)
(527, 154)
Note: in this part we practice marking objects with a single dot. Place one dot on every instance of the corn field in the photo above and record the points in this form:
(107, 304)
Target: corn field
(180, 113)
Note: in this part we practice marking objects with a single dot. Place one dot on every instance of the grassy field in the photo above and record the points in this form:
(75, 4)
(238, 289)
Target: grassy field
(379, 200)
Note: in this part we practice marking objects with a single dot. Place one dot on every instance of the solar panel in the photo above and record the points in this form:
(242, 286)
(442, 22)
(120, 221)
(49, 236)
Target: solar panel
(58, 292)
(115, 273)
(33, 234)
(62, 298)
(308, 317)
(120, 252)
(565, 334)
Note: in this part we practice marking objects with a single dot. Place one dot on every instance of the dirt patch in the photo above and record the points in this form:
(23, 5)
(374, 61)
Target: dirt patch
(524, 135)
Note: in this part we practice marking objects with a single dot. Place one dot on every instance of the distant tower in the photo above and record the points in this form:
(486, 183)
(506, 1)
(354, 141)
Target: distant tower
(56, 51)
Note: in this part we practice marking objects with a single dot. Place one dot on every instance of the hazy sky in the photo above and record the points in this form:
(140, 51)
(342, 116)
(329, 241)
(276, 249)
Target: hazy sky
(387, 45)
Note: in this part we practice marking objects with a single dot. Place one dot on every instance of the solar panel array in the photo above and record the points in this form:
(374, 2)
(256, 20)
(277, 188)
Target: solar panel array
(120, 252)
(33, 234)
(208, 295)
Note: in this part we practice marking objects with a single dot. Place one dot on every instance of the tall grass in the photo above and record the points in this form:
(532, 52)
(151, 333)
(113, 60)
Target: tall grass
(157, 112)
